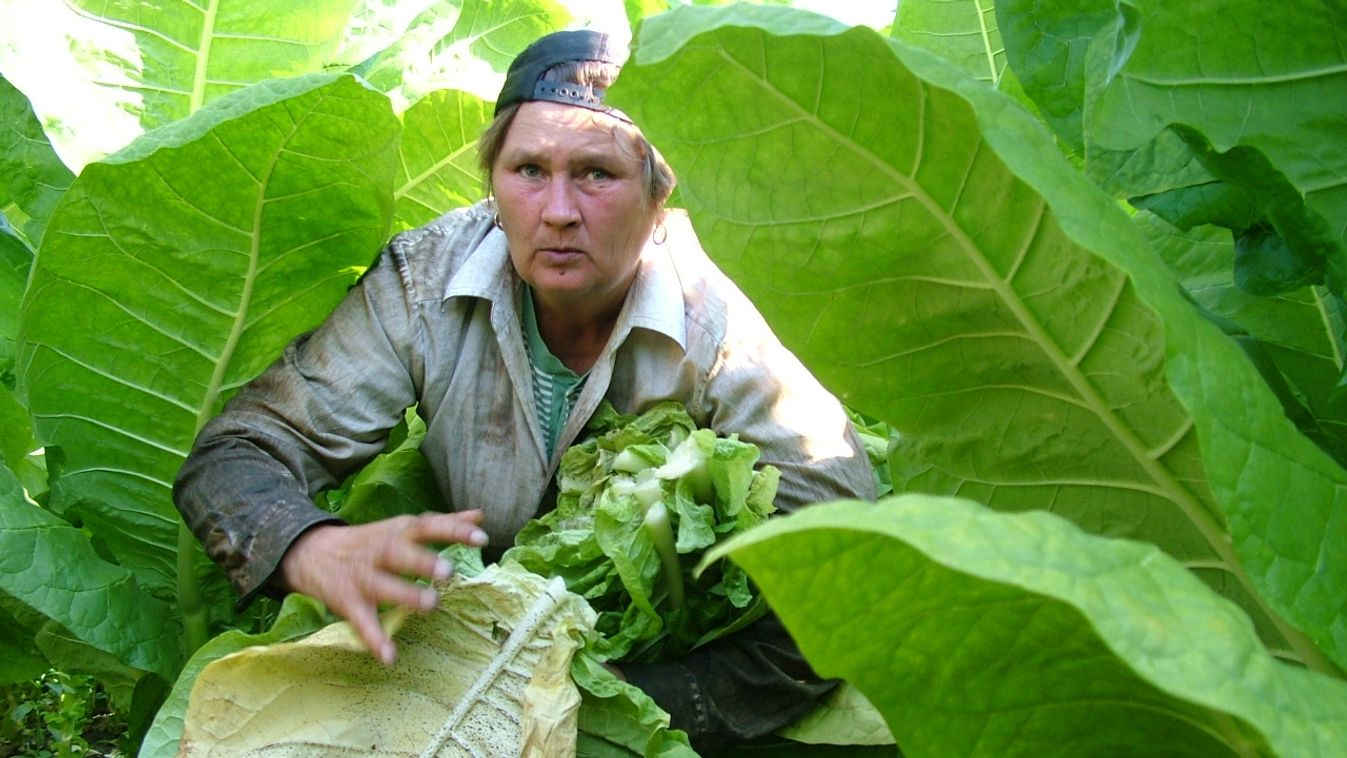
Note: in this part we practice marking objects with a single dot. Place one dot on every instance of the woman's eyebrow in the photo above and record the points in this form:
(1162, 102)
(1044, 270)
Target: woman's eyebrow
(595, 155)
(580, 157)
(523, 154)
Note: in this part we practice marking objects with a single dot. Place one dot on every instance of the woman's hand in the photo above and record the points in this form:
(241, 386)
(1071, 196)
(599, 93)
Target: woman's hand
(355, 569)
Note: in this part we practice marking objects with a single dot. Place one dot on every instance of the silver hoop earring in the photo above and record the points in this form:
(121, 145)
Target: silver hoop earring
(496, 220)
(660, 235)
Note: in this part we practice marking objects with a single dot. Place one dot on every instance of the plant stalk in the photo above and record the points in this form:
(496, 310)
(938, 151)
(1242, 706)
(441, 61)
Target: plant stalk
(657, 525)
(195, 623)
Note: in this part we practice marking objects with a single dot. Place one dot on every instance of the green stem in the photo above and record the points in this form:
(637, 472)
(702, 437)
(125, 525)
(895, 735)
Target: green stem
(195, 621)
(657, 524)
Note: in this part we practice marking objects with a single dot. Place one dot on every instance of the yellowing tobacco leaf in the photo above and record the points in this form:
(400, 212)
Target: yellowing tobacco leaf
(486, 674)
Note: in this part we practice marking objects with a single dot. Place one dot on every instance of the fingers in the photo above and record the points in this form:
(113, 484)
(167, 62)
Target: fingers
(357, 593)
(364, 619)
(396, 548)
(463, 528)
(391, 589)
(404, 550)
(356, 569)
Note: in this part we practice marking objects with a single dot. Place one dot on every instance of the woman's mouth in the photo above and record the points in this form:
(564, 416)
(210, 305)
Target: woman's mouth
(561, 253)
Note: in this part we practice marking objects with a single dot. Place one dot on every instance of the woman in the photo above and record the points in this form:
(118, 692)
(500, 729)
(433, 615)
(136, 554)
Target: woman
(506, 324)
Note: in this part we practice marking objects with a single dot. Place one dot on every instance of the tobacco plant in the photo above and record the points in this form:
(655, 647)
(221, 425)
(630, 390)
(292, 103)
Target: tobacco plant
(1086, 259)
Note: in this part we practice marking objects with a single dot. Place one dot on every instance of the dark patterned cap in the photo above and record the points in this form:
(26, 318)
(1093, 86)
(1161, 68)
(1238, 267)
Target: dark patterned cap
(524, 82)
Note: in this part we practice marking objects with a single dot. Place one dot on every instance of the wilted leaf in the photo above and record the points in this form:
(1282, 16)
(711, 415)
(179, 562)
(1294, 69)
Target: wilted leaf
(486, 674)
(299, 616)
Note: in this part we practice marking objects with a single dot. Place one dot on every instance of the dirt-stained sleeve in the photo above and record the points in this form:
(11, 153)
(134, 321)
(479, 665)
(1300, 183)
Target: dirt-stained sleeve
(246, 488)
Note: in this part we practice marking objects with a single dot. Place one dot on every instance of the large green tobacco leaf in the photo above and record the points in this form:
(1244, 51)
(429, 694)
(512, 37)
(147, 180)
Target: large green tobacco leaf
(1018, 634)
(32, 176)
(920, 241)
(1294, 337)
(18, 445)
(175, 271)
(1046, 45)
(32, 179)
(1061, 52)
(438, 167)
(376, 25)
(67, 652)
(1049, 47)
(48, 566)
(16, 438)
(964, 32)
(1069, 54)
(22, 661)
(1257, 89)
(639, 9)
(15, 260)
(99, 74)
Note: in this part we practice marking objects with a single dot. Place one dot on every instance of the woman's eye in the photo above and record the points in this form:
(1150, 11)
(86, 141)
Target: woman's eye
(597, 175)
(530, 170)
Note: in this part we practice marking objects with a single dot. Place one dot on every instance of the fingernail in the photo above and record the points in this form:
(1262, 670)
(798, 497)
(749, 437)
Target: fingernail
(388, 655)
(429, 599)
(443, 570)
(478, 537)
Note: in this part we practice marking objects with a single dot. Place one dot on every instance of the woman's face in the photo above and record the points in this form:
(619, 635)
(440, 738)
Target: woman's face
(572, 200)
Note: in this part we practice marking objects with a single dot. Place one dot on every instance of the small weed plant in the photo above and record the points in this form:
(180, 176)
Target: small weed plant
(58, 715)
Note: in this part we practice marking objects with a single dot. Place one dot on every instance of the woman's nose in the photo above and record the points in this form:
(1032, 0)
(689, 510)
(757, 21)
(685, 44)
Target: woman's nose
(559, 207)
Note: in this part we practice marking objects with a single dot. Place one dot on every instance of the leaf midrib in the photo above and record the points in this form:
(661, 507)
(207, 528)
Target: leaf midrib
(414, 182)
(985, 33)
(527, 628)
(199, 79)
(210, 397)
(1308, 74)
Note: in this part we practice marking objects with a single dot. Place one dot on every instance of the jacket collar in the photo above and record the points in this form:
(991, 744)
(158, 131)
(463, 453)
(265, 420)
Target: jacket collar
(654, 303)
